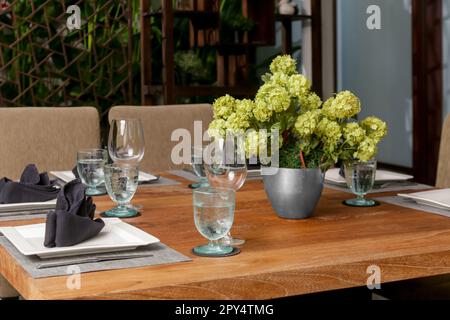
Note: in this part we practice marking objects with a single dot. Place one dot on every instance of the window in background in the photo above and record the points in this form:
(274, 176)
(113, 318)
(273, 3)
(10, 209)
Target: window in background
(377, 66)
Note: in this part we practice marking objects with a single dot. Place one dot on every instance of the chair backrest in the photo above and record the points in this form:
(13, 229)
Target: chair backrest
(443, 171)
(47, 137)
(159, 122)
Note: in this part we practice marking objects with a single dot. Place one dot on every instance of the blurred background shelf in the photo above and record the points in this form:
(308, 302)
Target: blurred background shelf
(233, 40)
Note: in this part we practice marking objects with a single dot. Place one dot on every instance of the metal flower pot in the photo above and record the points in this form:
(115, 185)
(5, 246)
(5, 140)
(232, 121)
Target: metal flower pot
(293, 193)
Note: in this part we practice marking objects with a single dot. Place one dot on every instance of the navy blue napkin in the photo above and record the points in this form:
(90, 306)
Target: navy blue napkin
(32, 187)
(73, 220)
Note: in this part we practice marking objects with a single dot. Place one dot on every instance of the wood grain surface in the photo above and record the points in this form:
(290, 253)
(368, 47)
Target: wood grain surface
(281, 258)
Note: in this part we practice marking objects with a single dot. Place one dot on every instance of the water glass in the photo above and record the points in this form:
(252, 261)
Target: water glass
(121, 184)
(126, 141)
(90, 164)
(227, 169)
(197, 166)
(213, 216)
(360, 178)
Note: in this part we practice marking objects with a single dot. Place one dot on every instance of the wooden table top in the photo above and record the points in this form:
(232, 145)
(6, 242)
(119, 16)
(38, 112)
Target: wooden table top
(281, 258)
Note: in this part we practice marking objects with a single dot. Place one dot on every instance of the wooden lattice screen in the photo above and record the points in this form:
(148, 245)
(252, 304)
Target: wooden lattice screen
(42, 63)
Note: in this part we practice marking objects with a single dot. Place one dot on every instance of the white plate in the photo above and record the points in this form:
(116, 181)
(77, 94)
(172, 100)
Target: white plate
(67, 176)
(435, 198)
(115, 236)
(28, 206)
(382, 176)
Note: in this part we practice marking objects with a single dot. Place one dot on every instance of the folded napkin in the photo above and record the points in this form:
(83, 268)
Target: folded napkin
(32, 187)
(73, 220)
(75, 173)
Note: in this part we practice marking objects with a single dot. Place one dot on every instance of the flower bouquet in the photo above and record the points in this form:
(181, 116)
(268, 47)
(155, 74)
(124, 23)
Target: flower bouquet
(288, 119)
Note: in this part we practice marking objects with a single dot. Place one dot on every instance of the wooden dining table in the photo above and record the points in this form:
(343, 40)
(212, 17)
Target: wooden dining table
(337, 248)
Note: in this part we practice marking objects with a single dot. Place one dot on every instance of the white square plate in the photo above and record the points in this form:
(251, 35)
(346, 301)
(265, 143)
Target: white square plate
(115, 236)
(382, 176)
(435, 198)
(67, 176)
(27, 206)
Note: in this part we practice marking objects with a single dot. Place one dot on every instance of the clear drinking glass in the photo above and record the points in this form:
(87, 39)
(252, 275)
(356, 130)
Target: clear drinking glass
(126, 142)
(360, 178)
(199, 169)
(90, 164)
(227, 169)
(121, 184)
(213, 216)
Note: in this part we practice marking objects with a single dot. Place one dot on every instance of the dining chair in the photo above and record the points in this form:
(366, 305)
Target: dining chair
(47, 137)
(435, 287)
(159, 123)
(443, 171)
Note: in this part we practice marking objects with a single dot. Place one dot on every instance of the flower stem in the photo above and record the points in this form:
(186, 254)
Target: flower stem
(302, 160)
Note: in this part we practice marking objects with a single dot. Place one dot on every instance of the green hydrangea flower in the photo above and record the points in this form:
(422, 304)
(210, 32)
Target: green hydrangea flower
(252, 141)
(244, 108)
(217, 128)
(344, 106)
(276, 97)
(353, 134)
(280, 79)
(262, 112)
(307, 123)
(284, 64)
(330, 131)
(375, 128)
(237, 123)
(298, 85)
(367, 149)
(224, 106)
(310, 102)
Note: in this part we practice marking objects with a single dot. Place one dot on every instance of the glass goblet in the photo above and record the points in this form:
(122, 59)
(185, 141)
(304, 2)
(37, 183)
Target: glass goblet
(126, 144)
(197, 166)
(90, 164)
(227, 169)
(213, 217)
(121, 183)
(360, 178)
(126, 141)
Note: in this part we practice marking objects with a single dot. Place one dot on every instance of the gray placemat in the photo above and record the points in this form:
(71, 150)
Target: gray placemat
(162, 181)
(192, 177)
(185, 175)
(393, 187)
(23, 217)
(407, 203)
(162, 254)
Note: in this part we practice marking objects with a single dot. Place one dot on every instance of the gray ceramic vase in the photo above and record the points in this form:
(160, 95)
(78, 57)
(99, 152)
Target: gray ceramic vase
(293, 193)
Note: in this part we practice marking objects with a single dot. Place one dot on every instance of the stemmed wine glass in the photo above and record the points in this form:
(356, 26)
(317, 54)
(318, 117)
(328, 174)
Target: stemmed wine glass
(360, 178)
(198, 167)
(227, 168)
(126, 146)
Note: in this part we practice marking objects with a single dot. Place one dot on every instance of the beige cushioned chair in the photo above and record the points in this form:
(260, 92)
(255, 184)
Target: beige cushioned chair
(159, 122)
(47, 137)
(443, 172)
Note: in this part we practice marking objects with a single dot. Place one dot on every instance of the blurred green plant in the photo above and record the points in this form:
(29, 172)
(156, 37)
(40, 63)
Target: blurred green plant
(42, 63)
(241, 23)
